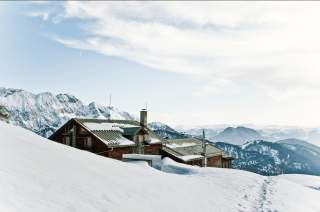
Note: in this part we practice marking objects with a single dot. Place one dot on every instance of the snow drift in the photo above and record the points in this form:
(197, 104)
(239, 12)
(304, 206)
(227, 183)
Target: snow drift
(45, 176)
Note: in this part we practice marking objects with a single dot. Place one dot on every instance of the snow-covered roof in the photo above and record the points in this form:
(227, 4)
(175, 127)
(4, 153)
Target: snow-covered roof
(113, 132)
(112, 138)
(102, 126)
(182, 144)
(191, 146)
(110, 132)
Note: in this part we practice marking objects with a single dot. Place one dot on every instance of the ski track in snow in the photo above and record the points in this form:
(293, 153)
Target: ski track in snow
(264, 203)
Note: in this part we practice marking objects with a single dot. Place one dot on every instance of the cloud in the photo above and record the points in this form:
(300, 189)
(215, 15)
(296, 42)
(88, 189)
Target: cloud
(273, 46)
(43, 15)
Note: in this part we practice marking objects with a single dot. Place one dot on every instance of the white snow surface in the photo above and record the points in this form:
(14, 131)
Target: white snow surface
(190, 157)
(41, 175)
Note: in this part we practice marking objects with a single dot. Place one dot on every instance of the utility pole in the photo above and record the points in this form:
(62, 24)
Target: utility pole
(204, 149)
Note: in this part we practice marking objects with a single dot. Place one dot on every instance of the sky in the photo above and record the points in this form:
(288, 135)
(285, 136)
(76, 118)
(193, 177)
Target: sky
(193, 63)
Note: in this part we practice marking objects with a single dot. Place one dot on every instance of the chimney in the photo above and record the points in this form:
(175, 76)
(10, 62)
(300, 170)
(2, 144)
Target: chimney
(143, 118)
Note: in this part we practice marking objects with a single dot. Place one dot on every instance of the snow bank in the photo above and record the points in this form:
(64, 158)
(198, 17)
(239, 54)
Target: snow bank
(190, 157)
(155, 159)
(40, 175)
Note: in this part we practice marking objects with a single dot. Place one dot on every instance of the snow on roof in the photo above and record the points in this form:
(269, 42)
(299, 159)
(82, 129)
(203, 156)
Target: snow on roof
(190, 157)
(154, 140)
(113, 138)
(182, 144)
(102, 126)
(119, 142)
(107, 126)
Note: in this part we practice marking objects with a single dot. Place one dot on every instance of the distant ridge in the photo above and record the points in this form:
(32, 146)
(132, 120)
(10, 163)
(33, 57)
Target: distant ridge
(237, 135)
(43, 113)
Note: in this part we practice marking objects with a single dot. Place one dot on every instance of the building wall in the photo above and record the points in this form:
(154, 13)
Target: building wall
(215, 161)
(116, 153)
(153, 149)
(226, 163)
(195, 162)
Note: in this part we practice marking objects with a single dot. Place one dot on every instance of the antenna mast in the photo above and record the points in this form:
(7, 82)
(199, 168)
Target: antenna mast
(110, 99)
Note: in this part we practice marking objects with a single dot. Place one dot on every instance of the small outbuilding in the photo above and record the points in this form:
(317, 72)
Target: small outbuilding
(194, 151)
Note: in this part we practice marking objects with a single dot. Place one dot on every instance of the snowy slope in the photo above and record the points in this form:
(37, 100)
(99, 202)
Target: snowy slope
(43, 113)
(46, 176)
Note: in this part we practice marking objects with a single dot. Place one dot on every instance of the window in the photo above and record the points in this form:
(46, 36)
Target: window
(88, 142)
(67, 140)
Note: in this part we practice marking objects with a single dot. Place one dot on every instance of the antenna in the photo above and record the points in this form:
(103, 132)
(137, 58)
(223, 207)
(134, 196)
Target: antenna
(110, 100)
(146, 105)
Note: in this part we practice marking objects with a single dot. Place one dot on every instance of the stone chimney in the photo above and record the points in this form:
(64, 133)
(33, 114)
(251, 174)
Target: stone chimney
(143, 118)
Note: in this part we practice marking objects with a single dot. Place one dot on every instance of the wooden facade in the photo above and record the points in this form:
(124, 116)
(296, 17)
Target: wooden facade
(74, 134)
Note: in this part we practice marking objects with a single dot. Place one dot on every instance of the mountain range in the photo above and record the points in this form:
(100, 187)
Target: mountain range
(241, 134)
(272, 158)
(253, 150)
(236, 135)
(43, 113)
